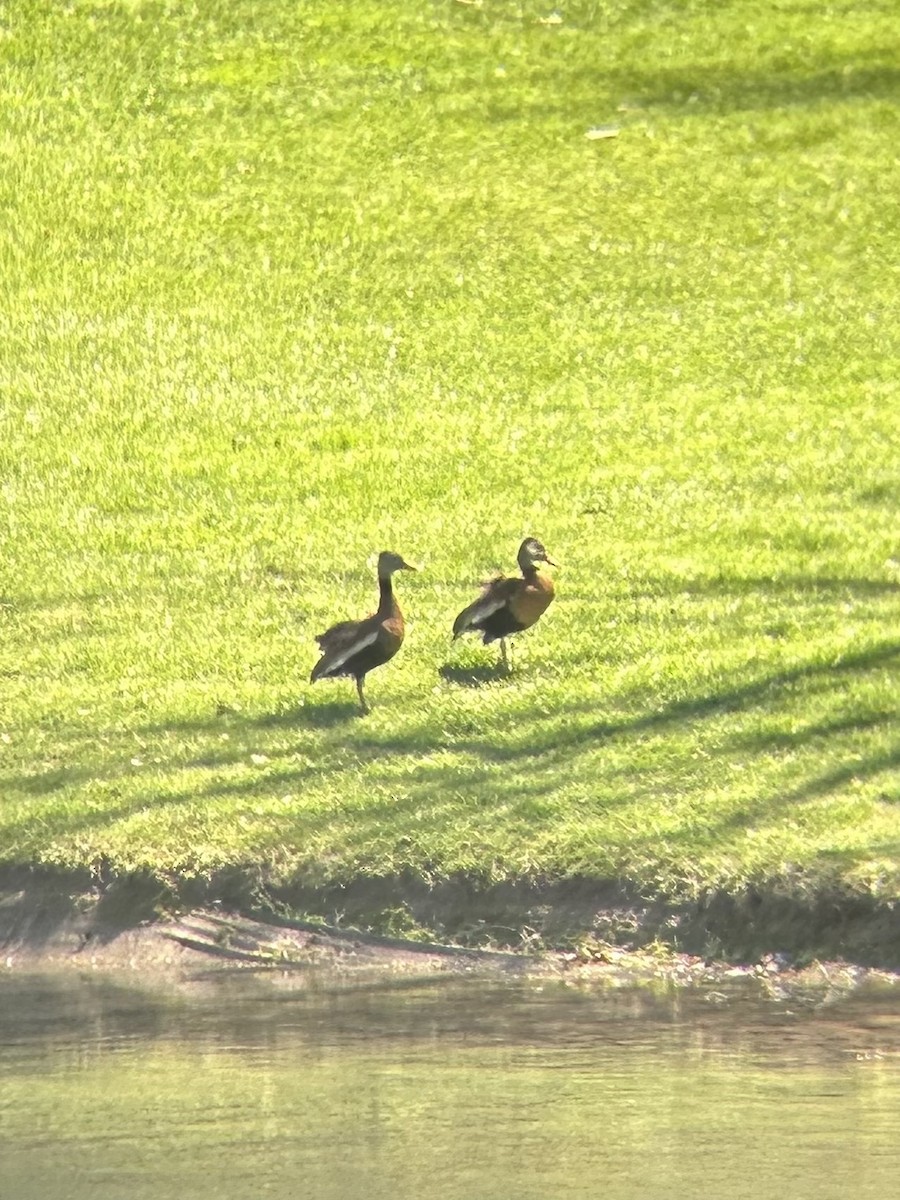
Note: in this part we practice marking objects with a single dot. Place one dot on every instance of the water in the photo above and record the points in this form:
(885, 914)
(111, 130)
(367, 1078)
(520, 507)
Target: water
(453, 1087)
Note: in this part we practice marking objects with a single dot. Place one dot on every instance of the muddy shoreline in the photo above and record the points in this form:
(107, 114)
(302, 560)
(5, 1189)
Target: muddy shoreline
(50, 917)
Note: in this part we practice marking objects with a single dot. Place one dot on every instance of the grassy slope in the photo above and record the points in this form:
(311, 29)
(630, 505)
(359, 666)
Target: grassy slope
(287, 283)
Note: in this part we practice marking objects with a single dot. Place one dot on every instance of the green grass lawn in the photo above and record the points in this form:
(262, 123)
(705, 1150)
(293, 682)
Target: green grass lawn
(288, 283)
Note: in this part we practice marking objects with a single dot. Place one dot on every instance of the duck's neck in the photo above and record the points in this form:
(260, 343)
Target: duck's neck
(535, 578)
(387, 604)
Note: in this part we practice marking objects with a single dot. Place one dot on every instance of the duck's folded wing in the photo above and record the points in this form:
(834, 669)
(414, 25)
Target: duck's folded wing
(496, 594)
(340, 643)
(338, 635)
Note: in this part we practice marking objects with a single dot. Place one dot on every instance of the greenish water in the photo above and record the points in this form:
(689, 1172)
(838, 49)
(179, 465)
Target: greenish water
(451, 1087)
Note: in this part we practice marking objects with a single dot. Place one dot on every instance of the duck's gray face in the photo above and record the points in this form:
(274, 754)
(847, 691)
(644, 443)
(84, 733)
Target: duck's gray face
(533, 551)
(388, 563)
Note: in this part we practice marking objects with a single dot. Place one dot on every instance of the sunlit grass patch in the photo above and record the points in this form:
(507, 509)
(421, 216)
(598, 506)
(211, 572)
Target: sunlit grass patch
(289, 287)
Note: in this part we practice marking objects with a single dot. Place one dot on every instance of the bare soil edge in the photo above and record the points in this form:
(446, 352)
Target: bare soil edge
(239, 919)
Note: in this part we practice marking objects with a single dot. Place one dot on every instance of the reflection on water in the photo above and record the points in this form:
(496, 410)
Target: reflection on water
(452, 1087)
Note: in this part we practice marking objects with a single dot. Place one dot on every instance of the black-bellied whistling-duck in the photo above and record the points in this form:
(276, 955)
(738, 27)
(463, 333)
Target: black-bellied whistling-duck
(509, 605)
(355, 647)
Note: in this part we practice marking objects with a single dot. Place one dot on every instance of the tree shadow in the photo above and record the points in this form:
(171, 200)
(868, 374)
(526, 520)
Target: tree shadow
(386, 787)
(833, 780)
(719, 86)
(832, 585)
(53, 780)
(39, 604)
(773, 740)
(738, 698)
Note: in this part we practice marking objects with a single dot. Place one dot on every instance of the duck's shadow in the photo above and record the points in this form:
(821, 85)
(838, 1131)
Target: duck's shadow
(473, 676)
(314, 716)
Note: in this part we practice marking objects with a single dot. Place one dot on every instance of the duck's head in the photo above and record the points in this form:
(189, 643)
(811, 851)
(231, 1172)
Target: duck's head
(531, 552)
(388, 563)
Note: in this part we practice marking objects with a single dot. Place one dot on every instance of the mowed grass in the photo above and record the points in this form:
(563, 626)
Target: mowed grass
(286, 284)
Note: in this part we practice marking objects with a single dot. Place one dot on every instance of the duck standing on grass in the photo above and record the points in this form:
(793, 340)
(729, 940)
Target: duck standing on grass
(355, 647)
(509, 605)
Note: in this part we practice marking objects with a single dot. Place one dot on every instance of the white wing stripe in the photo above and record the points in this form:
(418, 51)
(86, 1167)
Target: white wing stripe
(349, 651)
(485, 607)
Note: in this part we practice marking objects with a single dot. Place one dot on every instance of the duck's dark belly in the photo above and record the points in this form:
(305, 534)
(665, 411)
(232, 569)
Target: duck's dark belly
(500, 624)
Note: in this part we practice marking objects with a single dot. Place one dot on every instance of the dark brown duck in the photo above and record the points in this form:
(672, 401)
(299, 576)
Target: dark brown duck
(357, 647)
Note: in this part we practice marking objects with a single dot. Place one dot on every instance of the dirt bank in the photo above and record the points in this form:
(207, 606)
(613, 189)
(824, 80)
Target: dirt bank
(51, 916)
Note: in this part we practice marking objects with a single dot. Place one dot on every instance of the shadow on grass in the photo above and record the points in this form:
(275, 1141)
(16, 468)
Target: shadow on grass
(338, 716)
(724, 89)
(815, 675)
(733, 699)
(832, 75)
(311, 716)
(829, 584)
(474, 780)
(327, 715)
(46, 782)
(831, 781)
(775, 740)
(696, 91)
(767, 806)
(473, 676)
